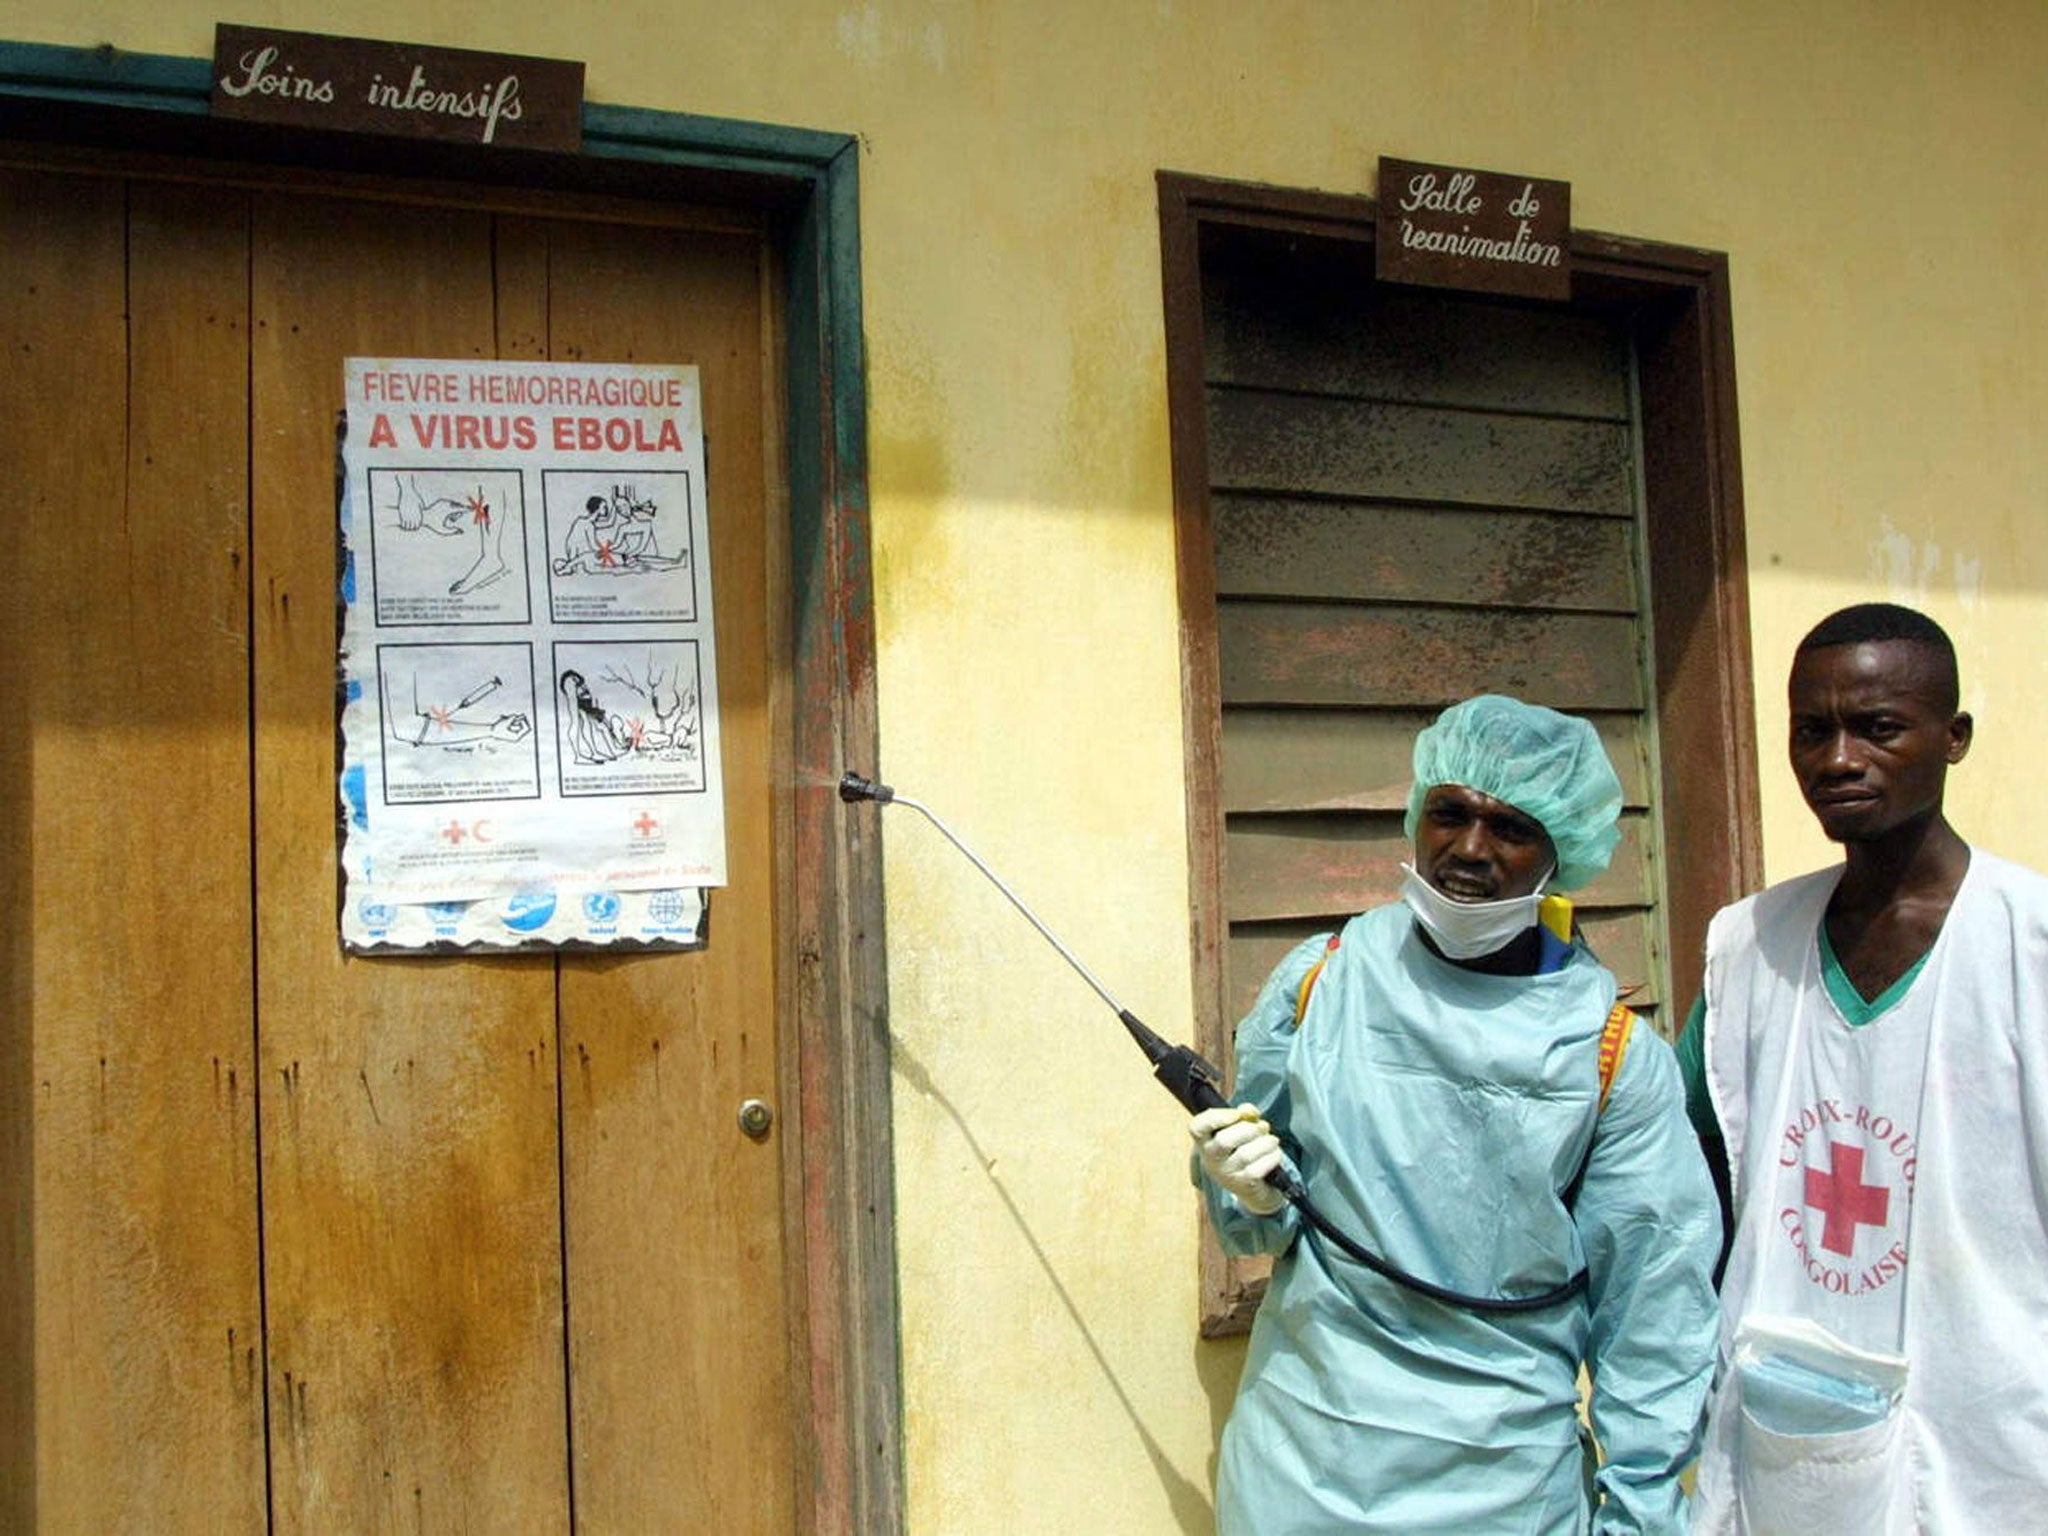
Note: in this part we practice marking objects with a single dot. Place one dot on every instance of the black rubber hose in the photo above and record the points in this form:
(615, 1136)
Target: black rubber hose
(1297, 1196)
(1190, 1078)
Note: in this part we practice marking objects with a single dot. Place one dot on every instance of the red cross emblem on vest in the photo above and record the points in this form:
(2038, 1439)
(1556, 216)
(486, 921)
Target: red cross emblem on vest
(1844, 1199)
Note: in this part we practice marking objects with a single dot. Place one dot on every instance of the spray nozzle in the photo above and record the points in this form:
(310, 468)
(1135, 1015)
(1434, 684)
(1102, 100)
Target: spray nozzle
(852, 788)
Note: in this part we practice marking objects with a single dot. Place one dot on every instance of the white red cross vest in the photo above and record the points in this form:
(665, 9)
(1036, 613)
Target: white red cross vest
(1891, 1185)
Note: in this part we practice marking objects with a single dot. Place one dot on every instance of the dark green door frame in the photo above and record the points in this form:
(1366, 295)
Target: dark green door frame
(67, 100)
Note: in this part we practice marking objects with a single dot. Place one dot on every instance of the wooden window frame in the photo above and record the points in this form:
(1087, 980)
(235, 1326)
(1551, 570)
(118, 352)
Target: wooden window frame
(114, 110)
(1674, 301)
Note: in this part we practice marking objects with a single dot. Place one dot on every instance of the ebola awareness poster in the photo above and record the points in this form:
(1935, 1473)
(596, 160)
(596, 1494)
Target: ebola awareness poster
(529, 683)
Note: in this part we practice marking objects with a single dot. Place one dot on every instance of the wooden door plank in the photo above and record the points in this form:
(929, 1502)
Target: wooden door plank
(680, 1377)
(1626, 940)
(125, 404)
(411, 1178)
(1330, 329)
(22, 316)
(1304, 866)
(1289, 547)
(1362, 760)
(522, 290)
(1303, 653)
(1265, 441)
(60, 301)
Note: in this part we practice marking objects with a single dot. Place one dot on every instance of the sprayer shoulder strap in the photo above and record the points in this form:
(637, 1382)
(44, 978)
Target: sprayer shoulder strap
(1621, 1020)
(1614, 1035)
(1308, 982)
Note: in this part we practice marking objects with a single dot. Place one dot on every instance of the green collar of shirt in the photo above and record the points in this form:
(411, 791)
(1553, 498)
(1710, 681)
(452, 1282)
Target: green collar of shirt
(1857, 1010)
(1852, 1003)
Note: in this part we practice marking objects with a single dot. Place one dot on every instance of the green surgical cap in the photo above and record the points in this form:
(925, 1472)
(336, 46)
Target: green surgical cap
(1548, 766)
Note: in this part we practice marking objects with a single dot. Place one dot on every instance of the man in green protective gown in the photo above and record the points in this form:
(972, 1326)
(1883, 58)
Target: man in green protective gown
(1442, 1099)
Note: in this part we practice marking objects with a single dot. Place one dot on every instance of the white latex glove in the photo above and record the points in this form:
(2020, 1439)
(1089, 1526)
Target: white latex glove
(1238, 1149)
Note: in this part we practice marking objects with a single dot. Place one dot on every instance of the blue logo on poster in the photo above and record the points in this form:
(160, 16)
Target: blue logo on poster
(529, 910)
(353, 790)
(446, 912)
(666, 907)
(601, 907)
(377, 914)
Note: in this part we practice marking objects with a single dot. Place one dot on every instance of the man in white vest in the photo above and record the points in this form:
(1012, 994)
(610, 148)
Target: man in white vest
(1872, 1053)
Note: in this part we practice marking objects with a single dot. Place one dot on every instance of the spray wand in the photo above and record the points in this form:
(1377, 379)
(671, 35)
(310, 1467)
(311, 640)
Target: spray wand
(1188, 1076)
(1191, 1079)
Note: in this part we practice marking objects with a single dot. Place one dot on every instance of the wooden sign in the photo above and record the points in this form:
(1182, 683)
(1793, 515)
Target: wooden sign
(1448, 227)
(310, 80)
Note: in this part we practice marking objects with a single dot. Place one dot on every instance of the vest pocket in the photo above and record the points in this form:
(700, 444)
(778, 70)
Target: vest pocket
(1818, 1433)
(1850, 1481)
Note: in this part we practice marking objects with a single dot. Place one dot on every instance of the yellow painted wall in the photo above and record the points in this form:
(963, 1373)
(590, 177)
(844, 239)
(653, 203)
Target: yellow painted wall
(1874, 171)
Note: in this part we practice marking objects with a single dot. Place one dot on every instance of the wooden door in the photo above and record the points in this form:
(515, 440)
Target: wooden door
(1408, 497)
(329, 1243)
(1414, 497)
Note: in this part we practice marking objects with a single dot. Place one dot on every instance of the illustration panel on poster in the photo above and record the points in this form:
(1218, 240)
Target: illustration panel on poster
(619, 552)
(449, 547)
(630, 717)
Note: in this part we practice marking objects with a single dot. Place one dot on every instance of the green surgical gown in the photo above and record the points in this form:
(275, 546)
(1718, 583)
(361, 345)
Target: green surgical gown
(1440, 1116)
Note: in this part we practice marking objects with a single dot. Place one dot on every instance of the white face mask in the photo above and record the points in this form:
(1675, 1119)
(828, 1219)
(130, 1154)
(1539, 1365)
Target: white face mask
(1465, 930)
